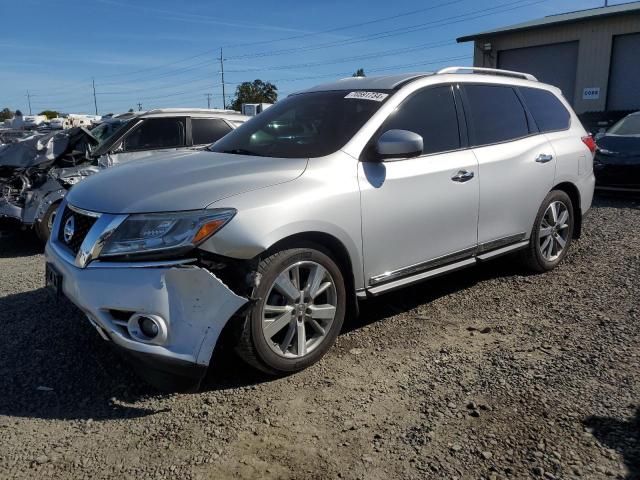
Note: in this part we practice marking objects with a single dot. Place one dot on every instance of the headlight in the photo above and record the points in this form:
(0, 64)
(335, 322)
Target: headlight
(165, 232)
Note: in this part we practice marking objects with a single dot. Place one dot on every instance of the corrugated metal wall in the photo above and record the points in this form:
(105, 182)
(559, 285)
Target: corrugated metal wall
(624, 79)
(556, 64)
(595, 39)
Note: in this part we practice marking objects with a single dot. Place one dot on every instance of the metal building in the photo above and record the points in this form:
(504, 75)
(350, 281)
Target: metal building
(592, 55)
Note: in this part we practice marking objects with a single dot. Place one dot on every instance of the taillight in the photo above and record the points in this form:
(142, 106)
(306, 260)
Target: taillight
(590, 143)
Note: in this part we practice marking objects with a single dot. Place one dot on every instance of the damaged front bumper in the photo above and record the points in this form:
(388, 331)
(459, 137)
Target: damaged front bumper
(190, 304)
(9, 210)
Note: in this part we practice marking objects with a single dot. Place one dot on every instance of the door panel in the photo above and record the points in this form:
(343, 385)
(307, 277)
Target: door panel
(513, 185)
(516, 163)
(413, 212)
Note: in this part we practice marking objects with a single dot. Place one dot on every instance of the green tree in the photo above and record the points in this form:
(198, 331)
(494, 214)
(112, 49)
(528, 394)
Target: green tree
(5, 114)
(131, 110)
(254, 92)
(359, 73)
(50, 114)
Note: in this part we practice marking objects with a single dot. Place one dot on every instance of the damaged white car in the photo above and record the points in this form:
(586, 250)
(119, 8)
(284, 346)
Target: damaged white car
(35, 174)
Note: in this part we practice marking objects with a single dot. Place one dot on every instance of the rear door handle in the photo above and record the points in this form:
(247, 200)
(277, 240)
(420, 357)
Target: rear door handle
(462, 176)
(544, 158)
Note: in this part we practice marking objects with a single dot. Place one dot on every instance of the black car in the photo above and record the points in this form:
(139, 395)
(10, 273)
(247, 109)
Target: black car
(617, 161)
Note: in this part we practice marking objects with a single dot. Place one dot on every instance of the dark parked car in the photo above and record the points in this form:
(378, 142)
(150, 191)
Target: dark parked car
(617, 161)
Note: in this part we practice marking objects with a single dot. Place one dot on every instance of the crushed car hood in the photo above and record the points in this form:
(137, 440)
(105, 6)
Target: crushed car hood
(187, 180)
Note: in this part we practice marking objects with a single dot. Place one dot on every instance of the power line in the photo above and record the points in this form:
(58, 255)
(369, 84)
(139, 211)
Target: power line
(396, 31)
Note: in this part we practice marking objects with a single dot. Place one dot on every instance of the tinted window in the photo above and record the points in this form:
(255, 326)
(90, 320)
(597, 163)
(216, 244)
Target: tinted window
(311, 125)
(430, 113)
(629, 125)
(208, 130)
(495, 113)
(157, 133)
(548, 112)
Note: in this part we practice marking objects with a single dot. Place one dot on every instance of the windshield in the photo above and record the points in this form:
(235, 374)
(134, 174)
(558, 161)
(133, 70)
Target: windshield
(108, 132)
(307, 125)
(629, 125)
(106, 129)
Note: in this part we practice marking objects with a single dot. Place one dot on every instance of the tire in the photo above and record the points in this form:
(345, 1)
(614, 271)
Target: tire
(545, 252)
(43, 227)
(273, 346)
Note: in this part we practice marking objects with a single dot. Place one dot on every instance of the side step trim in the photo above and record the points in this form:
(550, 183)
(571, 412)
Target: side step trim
(502, 251)
(388, 286)
(437, 269)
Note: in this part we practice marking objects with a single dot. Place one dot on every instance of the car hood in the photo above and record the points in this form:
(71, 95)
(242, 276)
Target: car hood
(178, 181)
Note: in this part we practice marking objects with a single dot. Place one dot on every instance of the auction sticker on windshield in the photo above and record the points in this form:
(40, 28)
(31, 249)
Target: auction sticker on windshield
(375, 96)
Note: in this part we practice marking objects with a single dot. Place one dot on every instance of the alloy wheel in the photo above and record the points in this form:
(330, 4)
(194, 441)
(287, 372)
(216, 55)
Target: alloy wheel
(554, 231)
(299, 308)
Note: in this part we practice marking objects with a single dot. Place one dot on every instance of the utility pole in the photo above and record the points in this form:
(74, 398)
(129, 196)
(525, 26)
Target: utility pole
(95, 102)
(29, 100)
(139, 107)
(208, 100)
(224, 98)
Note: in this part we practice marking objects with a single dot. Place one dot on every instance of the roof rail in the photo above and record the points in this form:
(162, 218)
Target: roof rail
(489, 71)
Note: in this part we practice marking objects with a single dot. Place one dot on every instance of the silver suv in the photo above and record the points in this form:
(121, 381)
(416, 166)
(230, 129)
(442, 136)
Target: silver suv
(333, 195)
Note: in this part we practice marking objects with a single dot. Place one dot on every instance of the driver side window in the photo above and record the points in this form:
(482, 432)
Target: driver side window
(157, 133)
(430, 113)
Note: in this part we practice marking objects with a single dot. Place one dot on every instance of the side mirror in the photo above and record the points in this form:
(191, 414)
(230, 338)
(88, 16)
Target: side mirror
(399, 144)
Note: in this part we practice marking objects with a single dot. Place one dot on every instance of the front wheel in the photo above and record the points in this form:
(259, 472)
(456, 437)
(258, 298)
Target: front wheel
(45, 225)
(552, 232)
(299, 313)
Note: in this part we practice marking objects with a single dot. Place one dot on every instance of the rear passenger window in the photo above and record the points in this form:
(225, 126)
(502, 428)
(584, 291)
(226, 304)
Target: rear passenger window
(496, 114)
(208, 130)
(431, 113)
(548, 112)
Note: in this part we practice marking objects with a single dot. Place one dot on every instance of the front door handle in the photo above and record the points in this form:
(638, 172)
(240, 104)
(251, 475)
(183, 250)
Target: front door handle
(462, 176)
(544, 158)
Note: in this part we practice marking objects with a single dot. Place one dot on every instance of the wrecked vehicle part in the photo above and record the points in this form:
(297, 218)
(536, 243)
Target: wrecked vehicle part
(175, 325)
(36, 172)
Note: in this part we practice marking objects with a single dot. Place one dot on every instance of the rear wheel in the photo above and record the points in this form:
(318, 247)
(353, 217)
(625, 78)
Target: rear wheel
(300, 311)
(552, 232)
(45, 225)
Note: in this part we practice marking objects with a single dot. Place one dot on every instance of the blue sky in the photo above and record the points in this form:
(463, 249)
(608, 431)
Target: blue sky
(164, 53)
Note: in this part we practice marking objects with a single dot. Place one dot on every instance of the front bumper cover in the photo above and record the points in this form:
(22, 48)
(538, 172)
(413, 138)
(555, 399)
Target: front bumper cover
(194, 303)
(10, 210)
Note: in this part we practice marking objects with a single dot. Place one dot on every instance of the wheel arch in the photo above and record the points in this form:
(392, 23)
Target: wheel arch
(334, 248)
(574, 194)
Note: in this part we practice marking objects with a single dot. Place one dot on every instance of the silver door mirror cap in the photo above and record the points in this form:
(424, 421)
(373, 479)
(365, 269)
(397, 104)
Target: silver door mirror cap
(397, 144)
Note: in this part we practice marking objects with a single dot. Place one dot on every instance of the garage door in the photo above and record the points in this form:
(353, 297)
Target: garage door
(624, 76)
(555, 64)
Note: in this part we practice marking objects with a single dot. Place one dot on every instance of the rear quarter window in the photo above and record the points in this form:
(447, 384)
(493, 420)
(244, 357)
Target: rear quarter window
(206, 131)
(547, 110)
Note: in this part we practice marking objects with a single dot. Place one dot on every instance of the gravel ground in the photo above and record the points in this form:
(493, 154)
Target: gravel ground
(489, 373)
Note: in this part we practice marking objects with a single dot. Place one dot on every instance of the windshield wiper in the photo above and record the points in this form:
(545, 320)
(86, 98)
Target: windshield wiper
(242, 151)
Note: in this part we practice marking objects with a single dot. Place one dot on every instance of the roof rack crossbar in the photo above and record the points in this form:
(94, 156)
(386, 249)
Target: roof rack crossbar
(490, 71)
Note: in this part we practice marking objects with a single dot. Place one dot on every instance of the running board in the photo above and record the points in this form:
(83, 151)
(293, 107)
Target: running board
(502, 251)
(436, 272)
(393, 285)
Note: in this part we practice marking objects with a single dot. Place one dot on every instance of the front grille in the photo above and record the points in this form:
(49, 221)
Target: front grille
(82, 225)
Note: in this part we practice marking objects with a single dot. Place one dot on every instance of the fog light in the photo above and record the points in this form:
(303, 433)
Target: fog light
(148, 327)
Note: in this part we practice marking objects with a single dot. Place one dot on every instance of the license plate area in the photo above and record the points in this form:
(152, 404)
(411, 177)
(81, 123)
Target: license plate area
(53, 280)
